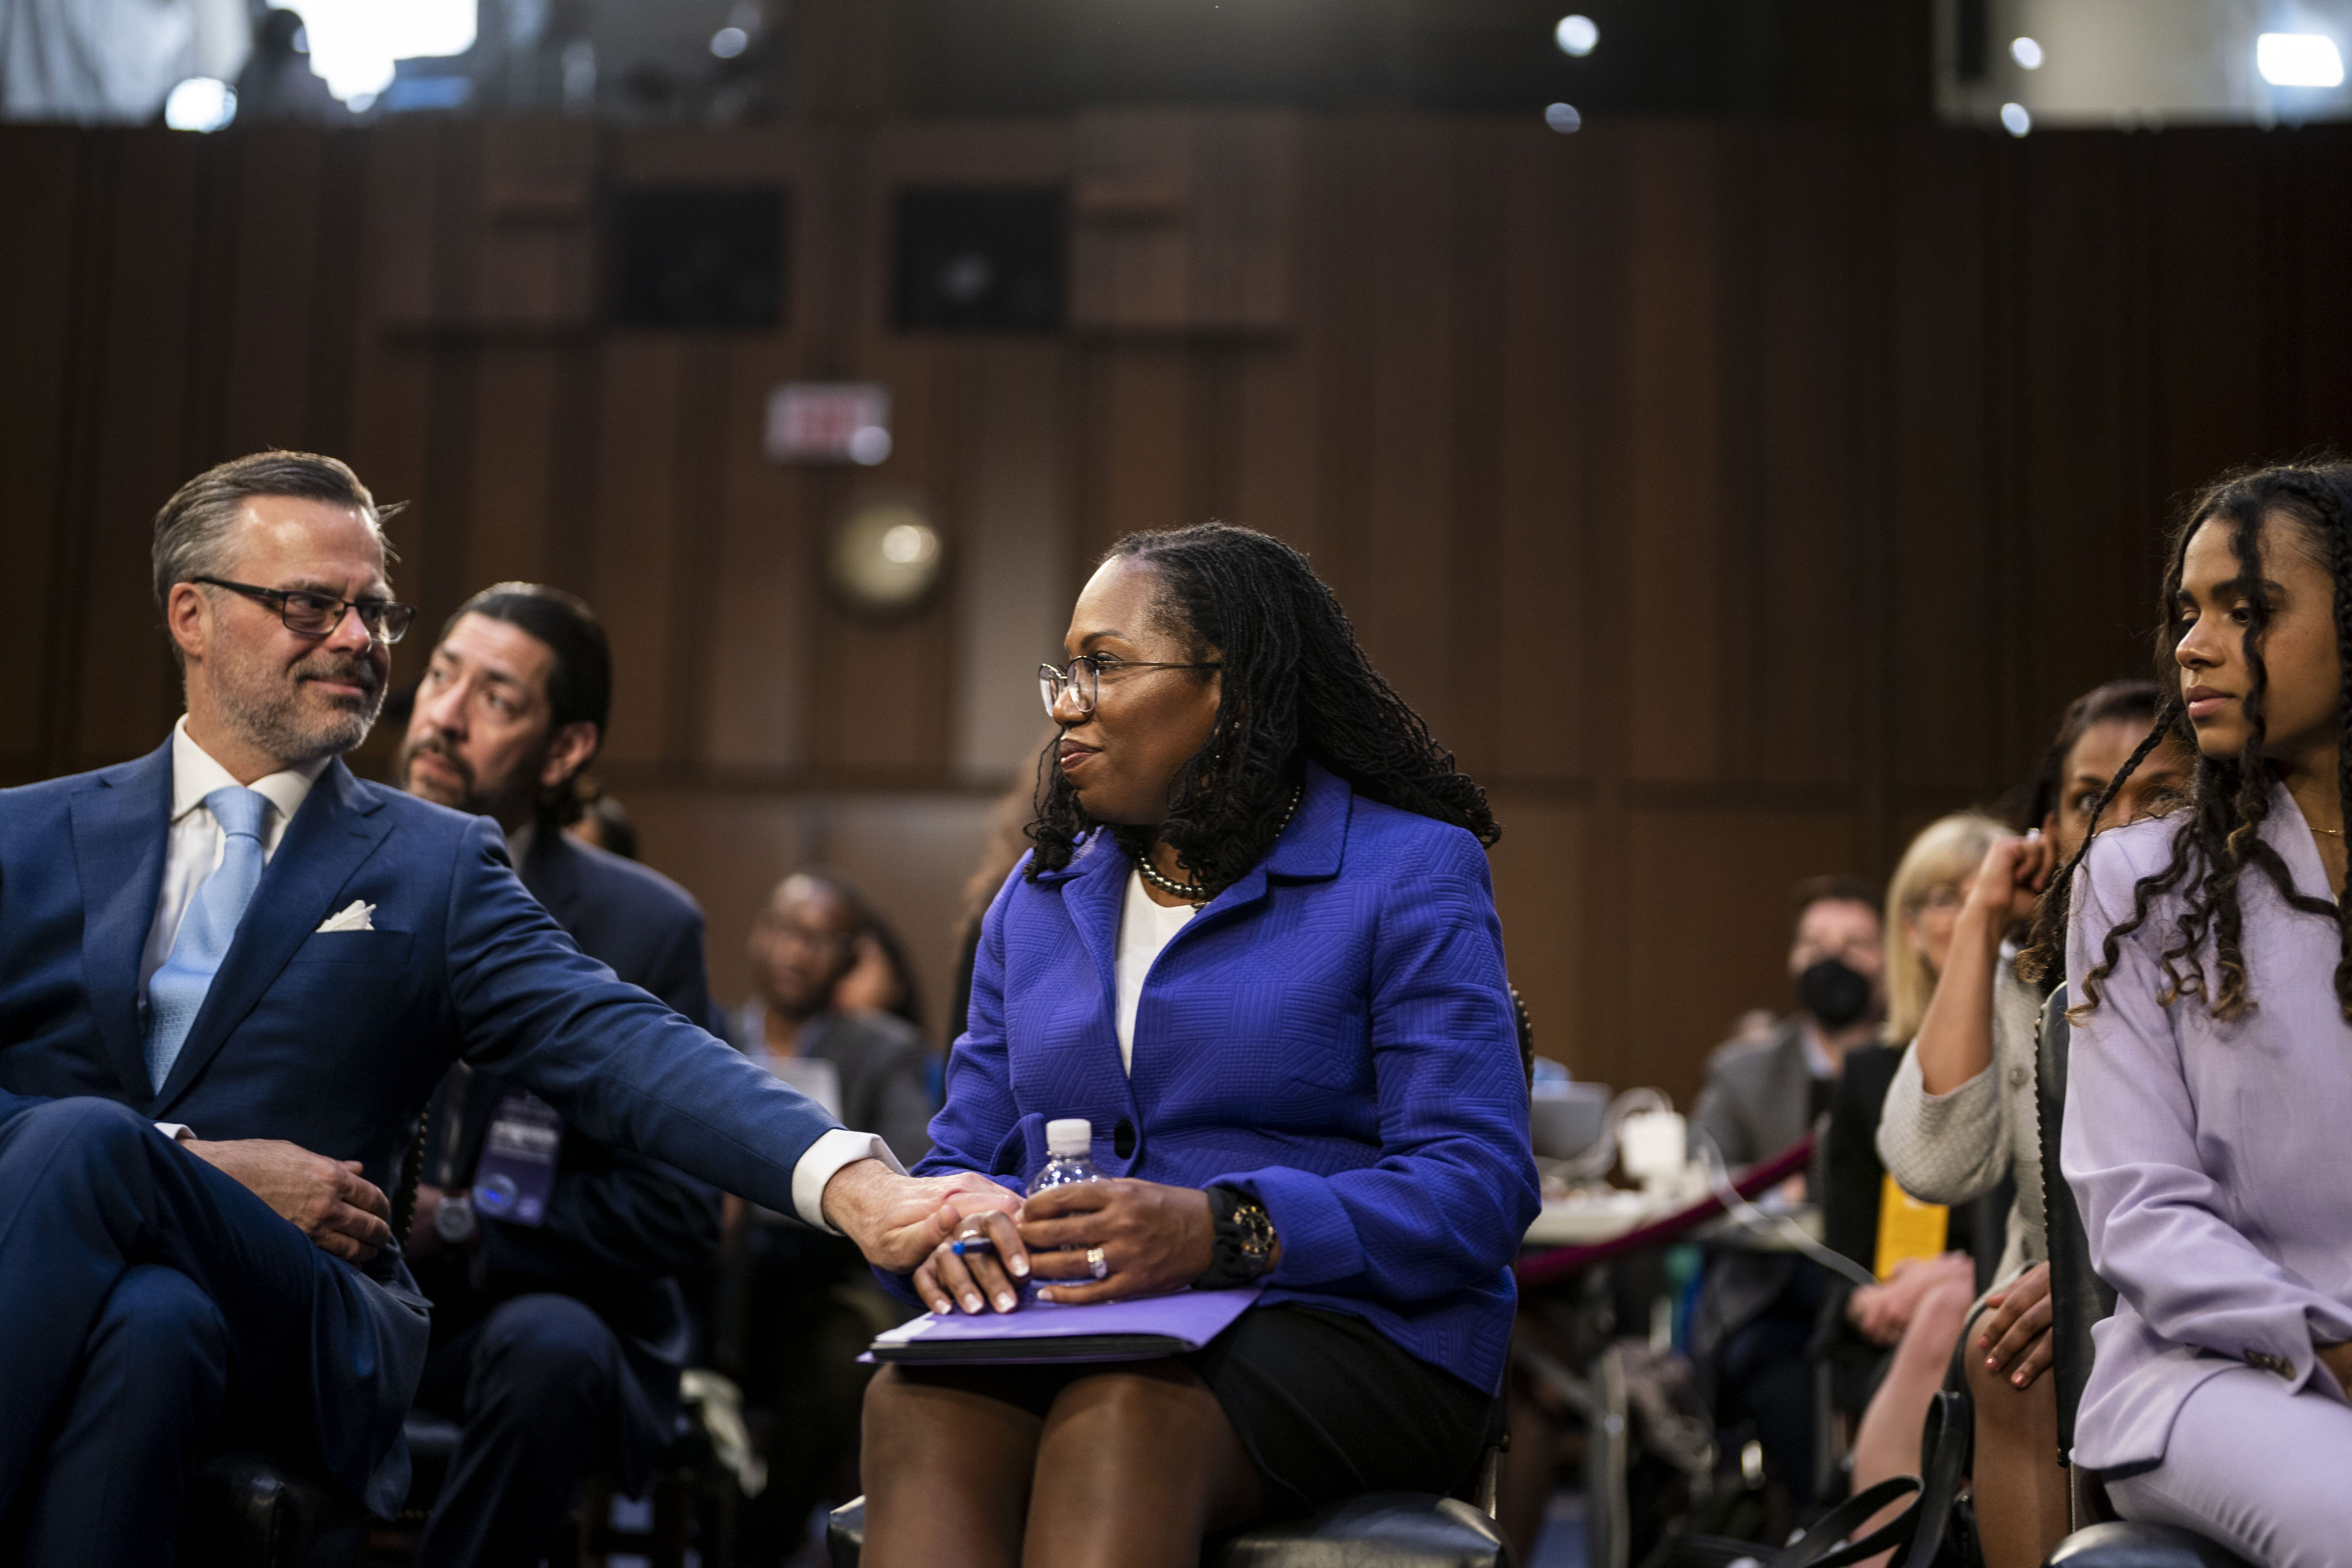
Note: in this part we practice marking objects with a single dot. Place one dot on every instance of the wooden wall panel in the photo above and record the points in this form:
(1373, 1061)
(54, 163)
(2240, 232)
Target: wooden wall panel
(1012, 544)
(45, 258)
(637, 467)
(143, 445)
(1733, 498)
(1673, 487)
(1953, 536)
(1707, 919)
(1539, 877)
(264, 339)
(510, 501)
(1543, 649)
(759, 586)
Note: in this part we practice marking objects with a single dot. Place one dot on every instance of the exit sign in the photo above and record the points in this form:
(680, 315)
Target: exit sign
(829, 422)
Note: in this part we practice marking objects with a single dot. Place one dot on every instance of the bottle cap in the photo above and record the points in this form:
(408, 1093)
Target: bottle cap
(1072, 1137)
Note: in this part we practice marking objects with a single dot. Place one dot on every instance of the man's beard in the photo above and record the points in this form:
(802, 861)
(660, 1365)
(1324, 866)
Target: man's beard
(471, 797)
(268, 709)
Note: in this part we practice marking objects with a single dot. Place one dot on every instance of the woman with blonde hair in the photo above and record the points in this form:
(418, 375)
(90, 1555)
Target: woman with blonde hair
(1920, 1303)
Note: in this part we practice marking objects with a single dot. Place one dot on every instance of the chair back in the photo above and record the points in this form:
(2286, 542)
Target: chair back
(2078, 1296)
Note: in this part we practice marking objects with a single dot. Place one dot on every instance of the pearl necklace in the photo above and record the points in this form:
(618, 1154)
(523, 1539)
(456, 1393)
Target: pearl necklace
(1193, 893)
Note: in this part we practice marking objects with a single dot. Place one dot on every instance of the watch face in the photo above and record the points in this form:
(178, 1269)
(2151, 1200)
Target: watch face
(453, 1222)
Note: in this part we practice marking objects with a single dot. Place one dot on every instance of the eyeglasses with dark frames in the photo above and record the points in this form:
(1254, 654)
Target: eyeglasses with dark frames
(314, 614)
(1083, 678)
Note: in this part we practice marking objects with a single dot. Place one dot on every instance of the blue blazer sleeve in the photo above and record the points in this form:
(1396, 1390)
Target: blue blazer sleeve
(621, 1066)
(615, 1211)
(1455, 1188)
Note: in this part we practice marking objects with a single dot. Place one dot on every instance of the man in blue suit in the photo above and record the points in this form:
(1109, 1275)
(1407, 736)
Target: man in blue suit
(230, 975)
(558, 1327)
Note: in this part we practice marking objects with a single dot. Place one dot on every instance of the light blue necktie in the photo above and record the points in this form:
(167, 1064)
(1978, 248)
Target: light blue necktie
(178, 989)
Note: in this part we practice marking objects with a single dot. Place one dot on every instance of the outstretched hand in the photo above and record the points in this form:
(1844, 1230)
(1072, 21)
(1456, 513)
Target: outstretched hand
(328, 1200)
(897, 1220)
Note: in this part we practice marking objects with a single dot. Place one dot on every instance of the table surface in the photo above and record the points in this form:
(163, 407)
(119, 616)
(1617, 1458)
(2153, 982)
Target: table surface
(1585, 1219)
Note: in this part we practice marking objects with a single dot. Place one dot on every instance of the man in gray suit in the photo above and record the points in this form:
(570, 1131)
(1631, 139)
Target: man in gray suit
(1756, 1311)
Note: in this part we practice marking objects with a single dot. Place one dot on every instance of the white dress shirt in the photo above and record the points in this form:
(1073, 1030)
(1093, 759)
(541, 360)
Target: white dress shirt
(193, 851)
(1144, 928)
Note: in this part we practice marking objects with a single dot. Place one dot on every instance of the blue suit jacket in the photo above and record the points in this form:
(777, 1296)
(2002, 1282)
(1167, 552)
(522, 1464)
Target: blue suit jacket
(333, 1040)
(1332, 1033)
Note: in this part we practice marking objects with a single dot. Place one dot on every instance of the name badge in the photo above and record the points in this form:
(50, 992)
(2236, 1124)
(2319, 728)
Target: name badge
(517, 1170)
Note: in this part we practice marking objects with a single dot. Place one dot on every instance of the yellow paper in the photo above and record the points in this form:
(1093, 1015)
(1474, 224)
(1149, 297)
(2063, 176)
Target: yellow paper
(1908, 1228)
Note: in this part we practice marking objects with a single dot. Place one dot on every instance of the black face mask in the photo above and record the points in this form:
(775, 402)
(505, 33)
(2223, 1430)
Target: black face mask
(1834, 993)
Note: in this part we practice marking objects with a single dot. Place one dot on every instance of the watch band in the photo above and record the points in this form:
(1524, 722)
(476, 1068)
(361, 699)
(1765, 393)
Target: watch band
(1242, 1249)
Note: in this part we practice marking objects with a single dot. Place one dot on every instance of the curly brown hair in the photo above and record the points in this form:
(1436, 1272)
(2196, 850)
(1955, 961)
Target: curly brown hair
(2218, 836)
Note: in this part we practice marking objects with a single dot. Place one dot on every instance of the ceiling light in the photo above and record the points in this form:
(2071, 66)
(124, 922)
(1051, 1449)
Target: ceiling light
(200, 104)
(2299, 59)
(2026, 53)
(1577, 35)
(353, 43)
(729, 42)
(2016, 119)
(1563, 118)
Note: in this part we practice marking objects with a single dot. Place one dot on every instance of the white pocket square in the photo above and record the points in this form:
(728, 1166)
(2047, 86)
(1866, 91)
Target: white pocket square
(358, 915)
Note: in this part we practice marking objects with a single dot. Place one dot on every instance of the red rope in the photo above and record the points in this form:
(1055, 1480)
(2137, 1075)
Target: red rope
(1542, 1268)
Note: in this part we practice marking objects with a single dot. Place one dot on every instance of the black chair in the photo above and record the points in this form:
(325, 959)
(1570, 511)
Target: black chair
(2078, 1300)
(1384, 1530)
(246, 1510)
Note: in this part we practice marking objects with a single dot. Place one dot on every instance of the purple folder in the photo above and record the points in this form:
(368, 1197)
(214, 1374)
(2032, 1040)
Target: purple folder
(1134, 1330)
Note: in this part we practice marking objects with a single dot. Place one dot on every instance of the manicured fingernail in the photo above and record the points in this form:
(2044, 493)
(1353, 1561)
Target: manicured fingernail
(1004, 1301)
(1045, 1293)
(1021, 1267)
(1991, 1365)
(972, 1303)
(2018, 1378)
(942, 1306)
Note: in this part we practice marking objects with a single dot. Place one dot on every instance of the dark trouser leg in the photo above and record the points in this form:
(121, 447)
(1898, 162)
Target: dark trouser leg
(87, 1190)
(1769, 1379)
(154, 1370)
(542, 1401)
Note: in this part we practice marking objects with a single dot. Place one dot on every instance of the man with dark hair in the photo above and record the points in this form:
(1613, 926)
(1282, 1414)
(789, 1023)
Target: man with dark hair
(558, 1328)
(231, 974)
(1756, 1312)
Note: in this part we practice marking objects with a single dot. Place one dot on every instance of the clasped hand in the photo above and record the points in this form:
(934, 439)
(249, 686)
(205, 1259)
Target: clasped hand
(1153, 1238)
(327, 1200)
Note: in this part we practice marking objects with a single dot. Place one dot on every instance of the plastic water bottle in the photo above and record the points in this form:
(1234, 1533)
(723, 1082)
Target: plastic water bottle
(1069, 1143)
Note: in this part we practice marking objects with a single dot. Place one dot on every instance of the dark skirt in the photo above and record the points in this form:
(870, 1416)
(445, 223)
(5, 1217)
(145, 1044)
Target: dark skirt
(1329, 1407)
(1325, 1405)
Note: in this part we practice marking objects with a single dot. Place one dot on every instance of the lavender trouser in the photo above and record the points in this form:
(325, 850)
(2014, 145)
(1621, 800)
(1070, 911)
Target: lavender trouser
(2265, 1472)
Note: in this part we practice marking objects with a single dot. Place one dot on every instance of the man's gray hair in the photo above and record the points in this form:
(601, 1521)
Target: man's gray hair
(193, 531)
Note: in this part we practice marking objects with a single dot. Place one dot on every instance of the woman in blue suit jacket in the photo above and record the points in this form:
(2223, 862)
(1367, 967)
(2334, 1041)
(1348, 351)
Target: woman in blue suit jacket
(1256, 948)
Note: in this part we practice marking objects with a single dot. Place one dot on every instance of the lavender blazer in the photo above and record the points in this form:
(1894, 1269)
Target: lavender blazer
(2208, 1158)
(1332, 1033)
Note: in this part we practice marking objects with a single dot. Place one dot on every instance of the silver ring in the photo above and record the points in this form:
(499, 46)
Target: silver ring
(1095, 1264)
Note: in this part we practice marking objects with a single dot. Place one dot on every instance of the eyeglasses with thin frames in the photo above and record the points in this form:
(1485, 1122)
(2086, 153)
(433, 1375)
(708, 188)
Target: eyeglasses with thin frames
(1083, 678)
(314, 614)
